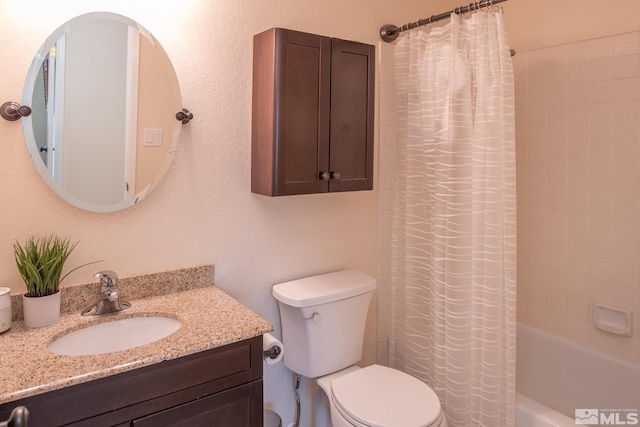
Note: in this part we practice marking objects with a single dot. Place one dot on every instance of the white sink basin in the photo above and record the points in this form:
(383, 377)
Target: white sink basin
(114, 336)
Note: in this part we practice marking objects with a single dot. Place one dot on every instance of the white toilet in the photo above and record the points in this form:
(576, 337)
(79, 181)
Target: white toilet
(323, 321)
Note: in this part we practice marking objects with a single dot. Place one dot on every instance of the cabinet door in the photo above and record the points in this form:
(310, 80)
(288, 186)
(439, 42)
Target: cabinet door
(227, 408)
(291, 89)
(132, 395)
(352, 112)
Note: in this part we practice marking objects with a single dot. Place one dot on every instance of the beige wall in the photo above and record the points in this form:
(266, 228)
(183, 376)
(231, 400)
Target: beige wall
(533, 24)
(203, 212)
(156, 110)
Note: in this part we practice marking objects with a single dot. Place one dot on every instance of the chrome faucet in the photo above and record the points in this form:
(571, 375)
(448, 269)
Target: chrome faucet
(109, 299)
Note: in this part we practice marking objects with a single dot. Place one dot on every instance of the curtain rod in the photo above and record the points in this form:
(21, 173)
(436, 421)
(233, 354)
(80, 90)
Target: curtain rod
(390, 32)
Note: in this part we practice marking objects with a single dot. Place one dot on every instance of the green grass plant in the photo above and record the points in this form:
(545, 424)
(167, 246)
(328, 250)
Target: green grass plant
(40, 263)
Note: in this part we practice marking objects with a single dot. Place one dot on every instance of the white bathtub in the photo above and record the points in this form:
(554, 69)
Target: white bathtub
(554, 377)
(530, 413)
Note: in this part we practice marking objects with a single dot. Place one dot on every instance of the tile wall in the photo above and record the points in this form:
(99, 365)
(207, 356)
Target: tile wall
(578, 154)
(386, 137)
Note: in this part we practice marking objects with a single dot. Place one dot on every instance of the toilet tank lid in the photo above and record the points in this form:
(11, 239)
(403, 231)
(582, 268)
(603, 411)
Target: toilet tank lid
(323, 288)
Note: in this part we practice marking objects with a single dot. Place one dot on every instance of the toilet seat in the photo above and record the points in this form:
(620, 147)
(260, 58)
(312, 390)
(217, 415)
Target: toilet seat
(377, 396)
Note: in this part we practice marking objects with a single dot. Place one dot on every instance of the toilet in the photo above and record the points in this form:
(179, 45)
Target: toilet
(323, 321)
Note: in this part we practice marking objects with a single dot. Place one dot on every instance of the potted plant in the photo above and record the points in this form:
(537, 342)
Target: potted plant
(40, 263)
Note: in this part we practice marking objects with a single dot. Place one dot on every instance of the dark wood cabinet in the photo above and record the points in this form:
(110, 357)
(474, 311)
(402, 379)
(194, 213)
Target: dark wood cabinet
(227, 408)
(218, 387)
(313, 109)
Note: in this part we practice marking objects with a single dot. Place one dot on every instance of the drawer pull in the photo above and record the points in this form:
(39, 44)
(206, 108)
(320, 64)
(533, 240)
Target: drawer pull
(19, 418)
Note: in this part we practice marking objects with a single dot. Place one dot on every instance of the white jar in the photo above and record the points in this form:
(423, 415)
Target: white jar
(5, 309)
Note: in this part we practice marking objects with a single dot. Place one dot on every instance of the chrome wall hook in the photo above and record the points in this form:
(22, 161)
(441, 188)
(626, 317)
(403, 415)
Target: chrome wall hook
(13, 111)
(184, 116)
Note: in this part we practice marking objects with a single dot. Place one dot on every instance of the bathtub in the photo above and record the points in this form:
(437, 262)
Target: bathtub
(530, 413)
(554, 377)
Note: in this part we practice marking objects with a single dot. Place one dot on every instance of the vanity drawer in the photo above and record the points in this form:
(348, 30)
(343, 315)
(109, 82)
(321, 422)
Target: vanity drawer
(135, 394)
(228, 408)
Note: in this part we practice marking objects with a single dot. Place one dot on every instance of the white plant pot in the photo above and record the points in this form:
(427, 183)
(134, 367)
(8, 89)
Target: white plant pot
(41, 311)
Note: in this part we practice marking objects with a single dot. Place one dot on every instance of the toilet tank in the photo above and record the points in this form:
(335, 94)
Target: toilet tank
(323, 320)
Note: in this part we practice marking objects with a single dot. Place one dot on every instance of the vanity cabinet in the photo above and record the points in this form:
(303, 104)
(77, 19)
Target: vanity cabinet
(218, 387)
(313, 110)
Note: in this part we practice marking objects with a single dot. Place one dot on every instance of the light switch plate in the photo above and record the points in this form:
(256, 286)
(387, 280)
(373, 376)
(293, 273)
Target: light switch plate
(153, 137)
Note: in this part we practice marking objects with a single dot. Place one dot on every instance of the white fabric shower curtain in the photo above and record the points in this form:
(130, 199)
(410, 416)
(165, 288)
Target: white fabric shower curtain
(454, 218)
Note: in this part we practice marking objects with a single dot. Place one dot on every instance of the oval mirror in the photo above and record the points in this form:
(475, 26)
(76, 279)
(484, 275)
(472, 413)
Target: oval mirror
(104, 98)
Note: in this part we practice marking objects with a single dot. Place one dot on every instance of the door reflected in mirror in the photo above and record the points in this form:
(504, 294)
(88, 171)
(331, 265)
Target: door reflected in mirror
(104, 96)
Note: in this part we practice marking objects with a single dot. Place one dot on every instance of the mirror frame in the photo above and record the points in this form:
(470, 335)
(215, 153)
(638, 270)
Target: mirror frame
(27, 123)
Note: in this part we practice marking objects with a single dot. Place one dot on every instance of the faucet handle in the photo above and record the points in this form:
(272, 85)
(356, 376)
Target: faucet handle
(108, 278)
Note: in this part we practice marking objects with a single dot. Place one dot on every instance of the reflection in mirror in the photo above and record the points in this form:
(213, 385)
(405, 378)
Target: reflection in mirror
(104, 96)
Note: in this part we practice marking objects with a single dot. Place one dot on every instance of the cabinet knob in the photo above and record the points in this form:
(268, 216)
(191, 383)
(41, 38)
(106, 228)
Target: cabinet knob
(19, 418)
(335, 175)
(325, 176)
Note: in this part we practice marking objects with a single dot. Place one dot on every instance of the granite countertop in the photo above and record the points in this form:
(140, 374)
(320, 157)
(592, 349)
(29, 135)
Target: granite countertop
(210, 318)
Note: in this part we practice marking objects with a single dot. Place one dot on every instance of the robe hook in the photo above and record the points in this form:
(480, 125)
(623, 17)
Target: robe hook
(184, 116)
(13, 111)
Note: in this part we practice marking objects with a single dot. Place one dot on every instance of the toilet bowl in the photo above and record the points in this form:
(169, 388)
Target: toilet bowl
(378, 396)
(323, 320)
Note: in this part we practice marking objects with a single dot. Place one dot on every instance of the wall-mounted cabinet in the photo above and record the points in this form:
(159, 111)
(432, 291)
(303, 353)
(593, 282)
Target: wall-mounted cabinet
(313, 109)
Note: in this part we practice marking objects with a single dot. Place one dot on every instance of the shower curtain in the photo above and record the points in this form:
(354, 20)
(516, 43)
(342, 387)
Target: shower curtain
(454, 218)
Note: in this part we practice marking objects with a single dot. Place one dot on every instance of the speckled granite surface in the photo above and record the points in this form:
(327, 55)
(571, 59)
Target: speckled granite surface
(78, 297)
(210, 318)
